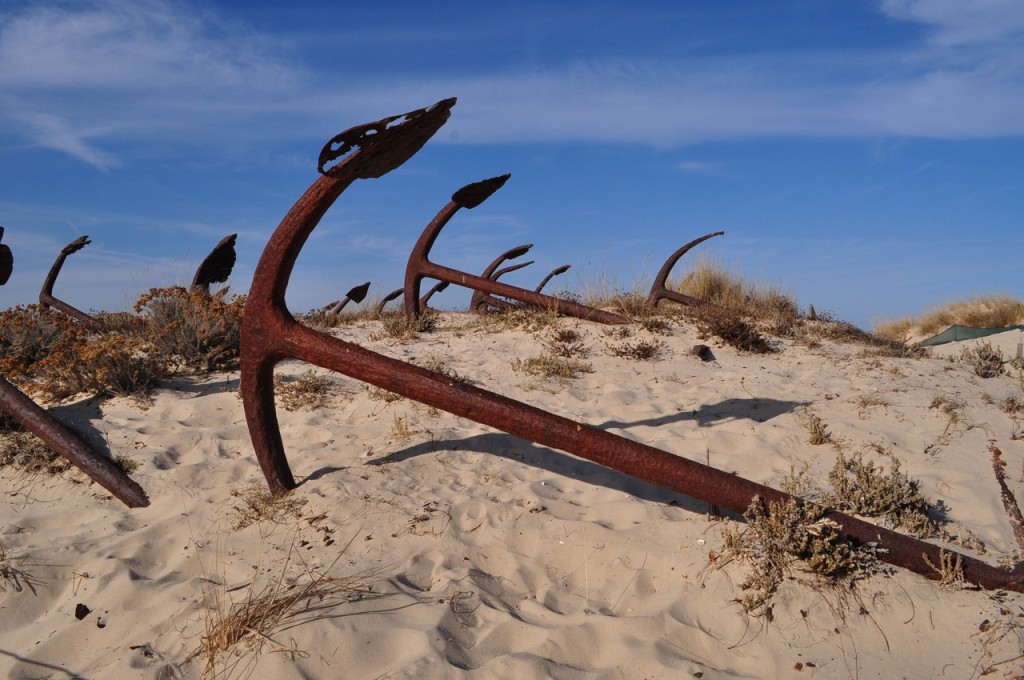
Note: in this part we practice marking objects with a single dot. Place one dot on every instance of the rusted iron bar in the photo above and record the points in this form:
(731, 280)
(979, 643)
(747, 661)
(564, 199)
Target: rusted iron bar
(554, 272)
(270, 334)
(479, 297)
(660, 291)
(421, 267)
(46, 298)
(357, 295)
(39, 422)
(100, 469)
(217, 266)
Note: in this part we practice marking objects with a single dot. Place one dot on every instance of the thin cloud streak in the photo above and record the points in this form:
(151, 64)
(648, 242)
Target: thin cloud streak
(170, 72)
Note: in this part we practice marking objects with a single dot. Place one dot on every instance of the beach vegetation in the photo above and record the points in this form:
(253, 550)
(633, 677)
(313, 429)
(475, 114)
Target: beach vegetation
(986, 361)
(308, 391)
(255, 504)
(398, 326)
(564, 342)
(861, 487)
(551, 366)
(817, 431)
(639, 349)
(987, 311)
(780, 537)
(197, 329)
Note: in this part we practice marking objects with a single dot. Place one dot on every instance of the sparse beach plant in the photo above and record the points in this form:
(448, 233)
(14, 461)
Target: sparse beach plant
(778, 536)
(564, 342)
(255, 504)
(817, 431)
(397, 326)
(861, 487)
(550, 366)
(639, 349)
(265, 609)
(729, 326)
(119, 365)
(986, 360)
(197, 329)
(309, 391)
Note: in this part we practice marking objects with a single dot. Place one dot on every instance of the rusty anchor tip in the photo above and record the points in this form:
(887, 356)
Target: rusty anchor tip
(393, 140)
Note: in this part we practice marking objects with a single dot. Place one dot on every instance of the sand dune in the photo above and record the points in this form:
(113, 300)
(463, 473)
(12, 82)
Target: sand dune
(462, 552)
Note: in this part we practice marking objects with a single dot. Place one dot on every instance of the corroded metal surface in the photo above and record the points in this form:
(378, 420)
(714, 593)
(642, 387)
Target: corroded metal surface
(270, 334)
(557, 271)
(356, 295)
(480, 299)
(39, 422)
(420, 266)
(659, 291)
(217, 266)
(46, 298)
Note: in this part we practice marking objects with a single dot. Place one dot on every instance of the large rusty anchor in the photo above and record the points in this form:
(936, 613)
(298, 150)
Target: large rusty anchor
(39, 422)
(480, 300)
(421, 267)
(46, 298)
(270, 334)
(659, 289)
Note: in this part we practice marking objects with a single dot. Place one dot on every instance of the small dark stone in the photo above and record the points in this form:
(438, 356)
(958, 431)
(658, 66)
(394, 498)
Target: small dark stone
(703, 351)
(81, 611)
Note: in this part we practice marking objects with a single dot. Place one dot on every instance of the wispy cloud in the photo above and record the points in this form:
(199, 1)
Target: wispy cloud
(104, 80)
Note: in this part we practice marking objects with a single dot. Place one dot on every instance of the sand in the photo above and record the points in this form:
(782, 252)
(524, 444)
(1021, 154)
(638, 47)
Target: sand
(468, 553)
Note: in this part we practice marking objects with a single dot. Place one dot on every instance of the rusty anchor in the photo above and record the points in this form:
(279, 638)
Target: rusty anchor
(420, 266)
(659, 289)
(270, 334)
(217, 266)
(398, 292)
(46, 298)
(39, 422)
(557, 271)
(357, 295)
(481, 300)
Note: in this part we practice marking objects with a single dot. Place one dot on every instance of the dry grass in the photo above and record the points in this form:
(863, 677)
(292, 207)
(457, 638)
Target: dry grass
(711, 282)
(251, 622)
(397, 326)
(256, 505)
(988, 311)
(550, 366)
(638, 349)
(309, 391)
(817, 432)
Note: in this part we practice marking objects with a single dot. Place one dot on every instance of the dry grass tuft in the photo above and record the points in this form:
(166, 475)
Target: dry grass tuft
(310, 391)
(816, 429)
(988, 311)
(551, 366)
(564, 342)
(24, 452)
(639, 349)
(397, 326)
(253, 621)
(256, 504)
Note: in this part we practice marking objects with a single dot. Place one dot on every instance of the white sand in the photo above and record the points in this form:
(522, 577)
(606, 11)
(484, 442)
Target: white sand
(491, 557)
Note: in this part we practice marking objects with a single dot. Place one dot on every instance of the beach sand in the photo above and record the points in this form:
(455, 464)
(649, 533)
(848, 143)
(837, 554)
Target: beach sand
(456, 551)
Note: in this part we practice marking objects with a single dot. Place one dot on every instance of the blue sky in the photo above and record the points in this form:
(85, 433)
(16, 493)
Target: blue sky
(866, 156)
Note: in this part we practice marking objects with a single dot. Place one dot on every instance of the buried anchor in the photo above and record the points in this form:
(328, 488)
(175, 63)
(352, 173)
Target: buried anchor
(270, 334)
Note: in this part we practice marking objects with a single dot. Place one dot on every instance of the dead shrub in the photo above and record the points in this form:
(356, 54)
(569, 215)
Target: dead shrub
(861, 487)
(195, 328)
(309, 390)
(564, 342)
(729, 326)
(781, 535)
(986, 360)
(640, 349)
